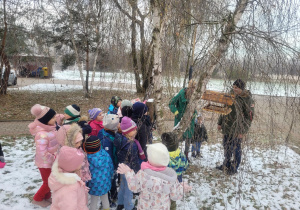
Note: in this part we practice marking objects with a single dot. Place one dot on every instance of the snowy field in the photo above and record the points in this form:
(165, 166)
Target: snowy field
(268, 179)
(257, 88)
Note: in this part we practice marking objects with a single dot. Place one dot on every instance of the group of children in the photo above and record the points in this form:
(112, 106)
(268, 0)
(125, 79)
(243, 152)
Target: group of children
(76, 158)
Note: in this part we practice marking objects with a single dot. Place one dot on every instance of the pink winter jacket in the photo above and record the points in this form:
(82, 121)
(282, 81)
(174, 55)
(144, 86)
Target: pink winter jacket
(156, 188)
(45, 142)
(68, 190)
(96, 127)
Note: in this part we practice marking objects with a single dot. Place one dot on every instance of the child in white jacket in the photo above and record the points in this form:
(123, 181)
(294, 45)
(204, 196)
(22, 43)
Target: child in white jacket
(155, 182)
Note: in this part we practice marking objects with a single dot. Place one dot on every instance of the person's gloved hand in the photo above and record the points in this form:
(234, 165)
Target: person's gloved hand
(2, 159)
(123, 169)
(176, 113)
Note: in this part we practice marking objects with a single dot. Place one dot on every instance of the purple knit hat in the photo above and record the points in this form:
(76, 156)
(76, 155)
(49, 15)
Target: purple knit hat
(127, 125)
(94, 113)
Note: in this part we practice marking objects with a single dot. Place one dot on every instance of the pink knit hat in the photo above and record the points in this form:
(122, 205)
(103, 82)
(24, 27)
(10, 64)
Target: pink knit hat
(127, 125)
(70, 159)
(42, 113)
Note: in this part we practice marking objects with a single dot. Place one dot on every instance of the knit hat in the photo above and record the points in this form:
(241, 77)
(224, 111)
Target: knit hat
(91, 145)
(114, 100)
(199, 116)
(94, 113)
(126, 111)
(126, 103)
(42, 113)
(127, 125)
(170, 140)
(158, 154)
(240, 84)
(72, 110)
(139, 109)
(70, 159)
(111, 122)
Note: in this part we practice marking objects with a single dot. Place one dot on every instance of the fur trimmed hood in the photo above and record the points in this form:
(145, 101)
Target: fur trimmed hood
(58, 179)
(83, 118)
(67, 134)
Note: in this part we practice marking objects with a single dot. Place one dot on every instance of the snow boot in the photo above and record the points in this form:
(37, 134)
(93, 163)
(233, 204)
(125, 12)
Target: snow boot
(187, 156)
(2, 162)
(42, 203)
(220, 167)
(120, 207)
(199, 155)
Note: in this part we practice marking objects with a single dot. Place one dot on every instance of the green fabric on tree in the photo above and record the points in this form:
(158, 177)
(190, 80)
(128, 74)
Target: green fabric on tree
(179, 103)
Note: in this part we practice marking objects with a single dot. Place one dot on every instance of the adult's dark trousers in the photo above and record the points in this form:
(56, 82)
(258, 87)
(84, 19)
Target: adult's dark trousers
(232, 153)
(113, 193)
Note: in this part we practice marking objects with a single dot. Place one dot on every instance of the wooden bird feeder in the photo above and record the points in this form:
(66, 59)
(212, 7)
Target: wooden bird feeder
(218, 102)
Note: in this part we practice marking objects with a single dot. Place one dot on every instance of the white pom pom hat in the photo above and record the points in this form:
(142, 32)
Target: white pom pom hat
(158, 155)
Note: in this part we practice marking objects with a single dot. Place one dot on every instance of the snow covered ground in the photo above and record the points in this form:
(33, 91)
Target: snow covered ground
(268, 178)
(258, 88)
(41, 87)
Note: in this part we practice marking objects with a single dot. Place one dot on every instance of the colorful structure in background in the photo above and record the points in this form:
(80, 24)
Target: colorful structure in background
(31, 65)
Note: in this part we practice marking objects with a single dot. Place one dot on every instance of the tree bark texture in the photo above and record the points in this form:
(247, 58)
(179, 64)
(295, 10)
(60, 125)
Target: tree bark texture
(4, 59)
(157, 66)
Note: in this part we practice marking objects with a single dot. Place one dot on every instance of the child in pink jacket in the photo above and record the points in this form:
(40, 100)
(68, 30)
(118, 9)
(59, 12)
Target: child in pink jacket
(155, 182)
(43, 130)
(96, 123)
(69, 191)
(71, 136)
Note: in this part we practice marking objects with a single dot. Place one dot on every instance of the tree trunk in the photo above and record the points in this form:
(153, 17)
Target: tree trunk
(94, 68)
(157, 67)
(87, 70)
(139, 89)
(4, 59)
(214, 58)
(144, 69)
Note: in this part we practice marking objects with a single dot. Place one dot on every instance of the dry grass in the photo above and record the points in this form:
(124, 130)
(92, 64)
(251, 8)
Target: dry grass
(16, 105)
(272, 122)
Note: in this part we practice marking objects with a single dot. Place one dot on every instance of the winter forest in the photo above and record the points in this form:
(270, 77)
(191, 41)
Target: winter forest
(91, 50)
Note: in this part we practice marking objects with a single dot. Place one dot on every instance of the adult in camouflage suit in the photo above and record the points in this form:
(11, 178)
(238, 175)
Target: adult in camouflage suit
(235, 126)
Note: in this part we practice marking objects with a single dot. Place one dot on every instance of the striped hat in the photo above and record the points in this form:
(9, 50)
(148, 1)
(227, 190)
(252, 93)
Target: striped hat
(72, 110)
(127, 125)
(91, 145)
(94, 113)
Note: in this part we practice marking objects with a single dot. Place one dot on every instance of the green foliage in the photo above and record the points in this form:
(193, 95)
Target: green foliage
(68, 60)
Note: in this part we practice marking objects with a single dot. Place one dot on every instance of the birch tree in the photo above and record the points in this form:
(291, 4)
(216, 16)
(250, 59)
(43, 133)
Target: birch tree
(214, 58)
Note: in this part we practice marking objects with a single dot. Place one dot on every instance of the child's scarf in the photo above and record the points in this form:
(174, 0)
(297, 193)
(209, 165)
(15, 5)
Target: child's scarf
(147, 165)
(72, 120)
